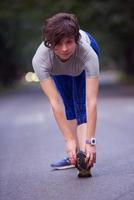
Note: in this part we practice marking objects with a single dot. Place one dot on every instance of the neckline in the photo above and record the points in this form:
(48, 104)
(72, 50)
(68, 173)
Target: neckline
(68, 60)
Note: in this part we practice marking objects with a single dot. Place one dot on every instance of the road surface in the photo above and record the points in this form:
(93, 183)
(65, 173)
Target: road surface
(30, 141)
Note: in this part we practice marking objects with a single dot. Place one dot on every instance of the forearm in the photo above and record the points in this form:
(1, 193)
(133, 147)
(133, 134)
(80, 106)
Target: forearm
(58, 111)
(92, 86)
(57, 107)
(91, 120)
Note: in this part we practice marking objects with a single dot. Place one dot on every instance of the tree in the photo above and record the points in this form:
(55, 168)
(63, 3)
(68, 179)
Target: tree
(117, 19)
(110, 21)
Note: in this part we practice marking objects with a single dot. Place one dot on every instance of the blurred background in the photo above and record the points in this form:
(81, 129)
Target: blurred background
(29, 137)
(111, 22)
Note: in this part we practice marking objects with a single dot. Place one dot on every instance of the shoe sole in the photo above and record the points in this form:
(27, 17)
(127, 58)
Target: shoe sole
(84, 173)
(81, 165)
(62, 168)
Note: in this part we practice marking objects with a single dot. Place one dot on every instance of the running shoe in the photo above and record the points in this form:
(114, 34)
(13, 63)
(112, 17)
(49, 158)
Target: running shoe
(81, 165)
(62, 164)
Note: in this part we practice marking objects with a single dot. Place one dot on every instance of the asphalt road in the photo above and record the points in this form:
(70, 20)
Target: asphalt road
(30, 141)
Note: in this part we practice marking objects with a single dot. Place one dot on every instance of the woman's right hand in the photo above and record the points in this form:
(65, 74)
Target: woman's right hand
(71, 150)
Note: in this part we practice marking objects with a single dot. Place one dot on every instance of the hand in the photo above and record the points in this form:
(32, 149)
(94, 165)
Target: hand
(90, 155)
(71, 150)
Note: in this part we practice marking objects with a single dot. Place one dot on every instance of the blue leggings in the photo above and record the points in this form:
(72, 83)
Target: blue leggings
(72, 90)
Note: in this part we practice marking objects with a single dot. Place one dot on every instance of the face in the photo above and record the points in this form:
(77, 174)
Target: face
(65, 48)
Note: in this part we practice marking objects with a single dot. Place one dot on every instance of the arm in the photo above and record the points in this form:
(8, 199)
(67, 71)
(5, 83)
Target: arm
(92, 85)
(49, 89)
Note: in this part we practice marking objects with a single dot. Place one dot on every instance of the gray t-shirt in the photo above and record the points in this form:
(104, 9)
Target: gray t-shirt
(46, 63)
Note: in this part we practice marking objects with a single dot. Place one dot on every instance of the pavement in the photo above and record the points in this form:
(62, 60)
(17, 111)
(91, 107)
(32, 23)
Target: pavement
(30, 141)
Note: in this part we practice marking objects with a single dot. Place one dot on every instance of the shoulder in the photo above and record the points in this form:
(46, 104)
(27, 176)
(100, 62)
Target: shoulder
(84, 43)
(84, 39)
(41, 62)
(85, 48)
(42, 54)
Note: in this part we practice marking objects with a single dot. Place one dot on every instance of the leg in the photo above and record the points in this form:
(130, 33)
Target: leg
(73, 126)
(80, 111)
(81, 135)
(80, 108)
(72, 91)
(65, 88)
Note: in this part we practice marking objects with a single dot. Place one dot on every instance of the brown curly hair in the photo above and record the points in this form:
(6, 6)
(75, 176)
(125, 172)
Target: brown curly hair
(58, 27)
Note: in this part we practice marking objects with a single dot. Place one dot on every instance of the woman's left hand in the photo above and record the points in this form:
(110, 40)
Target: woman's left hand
(90, 155)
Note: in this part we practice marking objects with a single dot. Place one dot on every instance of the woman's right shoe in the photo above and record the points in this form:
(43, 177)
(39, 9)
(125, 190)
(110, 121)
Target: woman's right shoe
(62, 164)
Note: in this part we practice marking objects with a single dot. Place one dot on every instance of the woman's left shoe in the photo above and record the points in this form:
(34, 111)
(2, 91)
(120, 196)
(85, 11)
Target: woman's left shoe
(81, 165)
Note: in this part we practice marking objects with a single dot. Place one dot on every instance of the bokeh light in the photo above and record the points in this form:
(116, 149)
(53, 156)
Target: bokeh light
(31, 77)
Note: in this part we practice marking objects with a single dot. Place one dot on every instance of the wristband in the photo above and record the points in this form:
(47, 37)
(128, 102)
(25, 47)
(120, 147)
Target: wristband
(91, 141)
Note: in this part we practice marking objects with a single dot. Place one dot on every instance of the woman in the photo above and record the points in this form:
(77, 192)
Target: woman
(67, 66)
